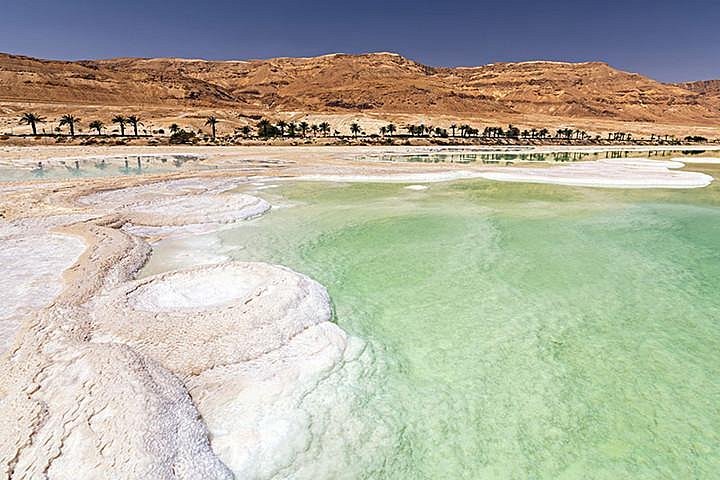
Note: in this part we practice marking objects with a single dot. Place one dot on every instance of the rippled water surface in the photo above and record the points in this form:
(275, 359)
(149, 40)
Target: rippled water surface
(515, 331)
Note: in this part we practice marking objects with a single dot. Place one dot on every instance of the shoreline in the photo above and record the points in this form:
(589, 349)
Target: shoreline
(99, 328)
(46, 196)
(115, 333)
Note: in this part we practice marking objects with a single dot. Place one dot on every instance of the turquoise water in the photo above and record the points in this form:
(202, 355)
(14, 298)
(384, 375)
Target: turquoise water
(81, 167)
(515, 331)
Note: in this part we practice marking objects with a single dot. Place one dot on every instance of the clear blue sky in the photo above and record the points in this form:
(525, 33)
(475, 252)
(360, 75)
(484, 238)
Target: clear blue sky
(667, 40)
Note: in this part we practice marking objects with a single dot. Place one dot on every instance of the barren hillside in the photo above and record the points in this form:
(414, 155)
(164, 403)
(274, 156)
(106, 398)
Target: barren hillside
(371, 85)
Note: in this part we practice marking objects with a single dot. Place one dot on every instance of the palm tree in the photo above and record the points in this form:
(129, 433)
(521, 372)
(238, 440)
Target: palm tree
(69, 120)
(292, 127)
(315, 129)
(391, 129)
(264, 128)
(212, 121)
(281, 125)
(453, 127)
(354, 129)
(97, 125)
(325, 128)
(245, 131)
(174, 128)
(121, 121)
(383, 131)
(304, 127)
(31, 119)
(134, 121)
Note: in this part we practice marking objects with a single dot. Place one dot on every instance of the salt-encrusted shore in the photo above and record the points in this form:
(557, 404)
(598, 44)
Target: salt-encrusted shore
(196, 373)
(117, 378)
(700, 160)
(611, 173)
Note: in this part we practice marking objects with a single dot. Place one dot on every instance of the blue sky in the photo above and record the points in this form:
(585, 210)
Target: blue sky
(669, 41)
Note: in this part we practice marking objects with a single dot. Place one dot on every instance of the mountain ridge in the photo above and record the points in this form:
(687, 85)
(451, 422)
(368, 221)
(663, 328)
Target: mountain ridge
(379, 83)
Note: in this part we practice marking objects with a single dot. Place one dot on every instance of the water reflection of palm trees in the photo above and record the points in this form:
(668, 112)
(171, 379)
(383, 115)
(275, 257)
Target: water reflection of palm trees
(500, 158)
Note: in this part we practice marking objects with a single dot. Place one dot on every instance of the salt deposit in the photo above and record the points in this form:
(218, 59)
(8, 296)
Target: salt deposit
(612, 173)
(617, 173)
(701, 160)
(31, 267)
(250, 339)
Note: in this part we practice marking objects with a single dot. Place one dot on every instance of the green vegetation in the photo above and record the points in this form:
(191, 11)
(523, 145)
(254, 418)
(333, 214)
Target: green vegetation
(70, 121)
(31, 119)
(121, 121)
(212, 121)
(266, 129)
(134, 121)
(97, 125)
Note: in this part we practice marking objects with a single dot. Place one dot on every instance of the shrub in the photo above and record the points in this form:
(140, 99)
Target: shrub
(182, 136)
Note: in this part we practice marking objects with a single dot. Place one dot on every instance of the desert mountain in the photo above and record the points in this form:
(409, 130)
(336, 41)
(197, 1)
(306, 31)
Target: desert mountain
(380, 83)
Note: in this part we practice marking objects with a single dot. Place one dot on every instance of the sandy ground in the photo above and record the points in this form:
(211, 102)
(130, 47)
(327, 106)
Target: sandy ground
(194, 373)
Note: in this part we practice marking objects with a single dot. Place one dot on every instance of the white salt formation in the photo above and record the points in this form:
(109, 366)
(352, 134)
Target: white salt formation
(192, 374)
(701, 160)
(250, 340)
(187, 206)
(71, 407)
(197, 209)
(614, 173)
(31, 264)
(198, 319)
(611, 173)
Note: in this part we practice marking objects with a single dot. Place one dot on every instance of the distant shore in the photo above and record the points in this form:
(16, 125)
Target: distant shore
(337, 141)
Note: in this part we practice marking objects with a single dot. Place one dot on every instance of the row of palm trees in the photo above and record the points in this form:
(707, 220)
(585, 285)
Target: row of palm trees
(267, 129)
(282, 129)
(33, 120)
(491, 132)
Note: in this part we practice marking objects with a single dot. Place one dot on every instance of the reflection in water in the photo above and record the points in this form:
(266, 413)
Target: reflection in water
(509, 158)
(98, 167)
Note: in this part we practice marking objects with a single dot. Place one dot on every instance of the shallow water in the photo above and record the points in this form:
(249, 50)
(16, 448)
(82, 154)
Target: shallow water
(512, 157)
(512, 330)
(105, 166)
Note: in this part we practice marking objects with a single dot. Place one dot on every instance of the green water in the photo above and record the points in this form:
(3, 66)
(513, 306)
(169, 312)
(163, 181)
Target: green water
(516, 331)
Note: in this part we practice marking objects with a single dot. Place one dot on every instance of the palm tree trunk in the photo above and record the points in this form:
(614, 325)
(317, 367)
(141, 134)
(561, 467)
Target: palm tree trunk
(34, 128)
